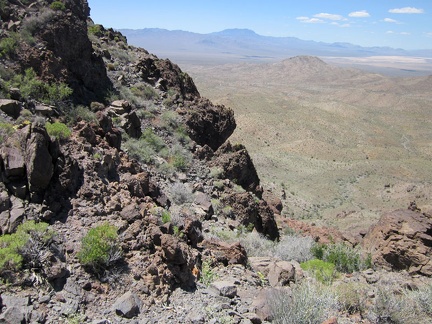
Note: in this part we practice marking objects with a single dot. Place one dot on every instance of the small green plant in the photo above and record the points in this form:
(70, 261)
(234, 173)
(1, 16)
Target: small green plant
(95, 29)
(207, 273)
(308, 303)
(345, 258)
(323, 271)
(33, 88)
(262, 278)
(166, 217)
(7, 46)
(58, 5)
(58, 130)
(25, 246)
(6, 130)
(100, 248)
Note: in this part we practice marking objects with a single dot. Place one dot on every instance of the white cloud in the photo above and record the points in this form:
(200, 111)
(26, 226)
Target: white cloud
(389, 20)
(340, 25)
(406, 10)
(429, 34)
(359, 14)
(405, 33)
(310, 20)
(329, 16)
(390, 32)
(395, 33)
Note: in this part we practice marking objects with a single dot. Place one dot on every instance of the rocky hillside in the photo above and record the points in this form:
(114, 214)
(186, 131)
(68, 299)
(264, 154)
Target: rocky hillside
(121, 197)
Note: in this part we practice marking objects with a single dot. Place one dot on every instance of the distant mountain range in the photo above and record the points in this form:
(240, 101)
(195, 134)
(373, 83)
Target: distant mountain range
(245, 44)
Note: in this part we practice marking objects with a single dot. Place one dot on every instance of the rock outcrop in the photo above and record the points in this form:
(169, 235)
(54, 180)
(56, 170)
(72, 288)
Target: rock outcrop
(402, 240)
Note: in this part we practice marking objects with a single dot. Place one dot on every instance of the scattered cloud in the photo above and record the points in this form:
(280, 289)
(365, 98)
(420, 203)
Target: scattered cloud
(310, 20)
(389, 20)
(429, 34)
(359, 14)
(340, 25)
(406, 10)
(329, 16)
(395, 33)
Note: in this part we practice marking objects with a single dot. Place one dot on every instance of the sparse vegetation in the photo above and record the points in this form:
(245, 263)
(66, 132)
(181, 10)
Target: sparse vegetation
(25, 247)
(100, 248)
(308, 303)
(180, 193)
(322, 271)
(345, 258)
(58, 130)
(33, 88)
(207, 275)
(7, 46)
(58, 5)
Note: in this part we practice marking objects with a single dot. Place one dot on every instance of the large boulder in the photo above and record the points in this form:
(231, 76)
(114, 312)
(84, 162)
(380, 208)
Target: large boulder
(248, 210)
(402, 240)
(209, 124)
(237, 166)
(10, 107)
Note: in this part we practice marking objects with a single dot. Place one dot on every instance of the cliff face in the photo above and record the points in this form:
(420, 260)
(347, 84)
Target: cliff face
(53, 41)
(146, 155)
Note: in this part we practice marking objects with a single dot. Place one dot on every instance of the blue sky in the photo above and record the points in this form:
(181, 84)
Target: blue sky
(396, 23)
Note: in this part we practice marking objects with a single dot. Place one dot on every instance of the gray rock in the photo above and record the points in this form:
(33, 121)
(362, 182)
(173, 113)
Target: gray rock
(10, 107)
(14, 162)
(129, 305)
(15, 309)
(225, 288)
(44, 110)
(4, 201)
(17, 213)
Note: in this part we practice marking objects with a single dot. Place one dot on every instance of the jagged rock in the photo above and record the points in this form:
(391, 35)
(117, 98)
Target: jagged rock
(209, 124)
(237, 166)
(138, 184)
(247, 210)
(39, 162)
(15, 309)
(132, 125)
(402, 240)
(46, 111)
(14, 164)
(5, 202)
(87, 132)
(10, 107)
(128, 305)
(260, 304)
(120, 107)
(174, 251)
(226, 253)
(224, 288)
(204, 204)
(193, 231)
(278, 272)
(274, 202)
(165, 75)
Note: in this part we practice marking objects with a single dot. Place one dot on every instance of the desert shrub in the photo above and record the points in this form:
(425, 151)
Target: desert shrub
(347, 259)
(95, 29)
(25, 247)
(322, 271)
(352, 297)
(33, 88)
(207, 275)
(7, 46)
(169, 120)
(294, 247)
(58, 5)
(423, 298)
(58, 130)
(153, 140)
(179, 158)
(144, 91)
(308, 303)
(139, 150)
(257, 245)
(391, 307)
(165, 217)
(180, 193)
(100, 248)
(36, 22)
(6, 129)
(74, 113)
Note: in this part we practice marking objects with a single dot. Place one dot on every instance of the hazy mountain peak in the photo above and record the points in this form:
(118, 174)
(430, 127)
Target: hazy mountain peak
(237, 32)
(306, 60)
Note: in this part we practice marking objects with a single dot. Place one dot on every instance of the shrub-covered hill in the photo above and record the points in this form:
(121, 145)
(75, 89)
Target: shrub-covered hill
(122, 199)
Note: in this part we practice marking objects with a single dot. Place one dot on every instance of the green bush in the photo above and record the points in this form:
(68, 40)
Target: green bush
(58, 5)
(58, 130)
(346, 259)
(24, 247)
(33, 88)
(7, 46)
(166, 217)
(6, 129)
(100, 248)
(207, 275)
(323, 271)
(308, 303)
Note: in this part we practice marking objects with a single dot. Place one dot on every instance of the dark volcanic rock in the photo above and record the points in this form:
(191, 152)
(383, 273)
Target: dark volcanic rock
(209, 124)
(402, 240)
(237, 166)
